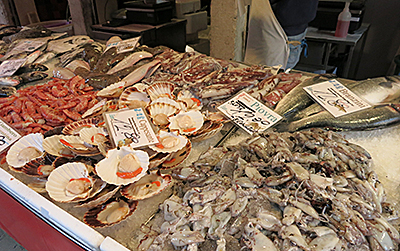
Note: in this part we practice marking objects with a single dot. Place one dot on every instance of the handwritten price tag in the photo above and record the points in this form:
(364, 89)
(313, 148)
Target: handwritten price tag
(9, 67)
(336, 98)
(7, 135)
(131, 125)
(249, 113)
(125, 45)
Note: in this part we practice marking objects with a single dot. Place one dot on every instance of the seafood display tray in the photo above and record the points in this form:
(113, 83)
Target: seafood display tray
(67, 219)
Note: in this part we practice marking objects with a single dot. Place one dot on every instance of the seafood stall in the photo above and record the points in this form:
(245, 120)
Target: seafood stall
(120, 146)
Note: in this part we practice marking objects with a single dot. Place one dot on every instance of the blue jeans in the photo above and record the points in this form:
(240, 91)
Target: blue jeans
(295, 51)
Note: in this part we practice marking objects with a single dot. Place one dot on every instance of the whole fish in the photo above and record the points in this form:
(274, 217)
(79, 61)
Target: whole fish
(129, 61)
(101, 81)
(12, 81)
(372, 118)
(32, 76)
(47, 56)
(103, 64)
(141, 72)
(374, 91)
(297, 99)
(32, 57)
(124, 72)
(31, 68)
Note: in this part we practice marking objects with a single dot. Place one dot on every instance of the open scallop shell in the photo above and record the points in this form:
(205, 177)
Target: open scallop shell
(75, 127)
(95, 110)
(159, 113)
(78, 146)
(207, 133)
(187, 122)
(94, 135)
(132, 97)
(60, 179)
(161, 89)
(112, 91)
(53, 146)
(169, 142)
(38, 168)
(148, 186)
(191, 101)
(107, 168)
(110, 213)
(107, 193)
(27, 148)
(178, 157)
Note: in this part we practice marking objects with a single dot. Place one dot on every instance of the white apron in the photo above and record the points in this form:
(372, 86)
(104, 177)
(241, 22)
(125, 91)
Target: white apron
(266, 39)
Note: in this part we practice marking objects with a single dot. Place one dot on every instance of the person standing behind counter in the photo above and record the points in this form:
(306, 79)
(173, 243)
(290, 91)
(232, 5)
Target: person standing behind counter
(277, 29)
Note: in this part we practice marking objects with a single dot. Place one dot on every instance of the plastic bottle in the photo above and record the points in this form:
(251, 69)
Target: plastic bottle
(343, 23)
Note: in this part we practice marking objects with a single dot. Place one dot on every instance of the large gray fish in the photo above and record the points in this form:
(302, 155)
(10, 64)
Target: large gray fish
(374, 91)
(372, 118)
(297, 99)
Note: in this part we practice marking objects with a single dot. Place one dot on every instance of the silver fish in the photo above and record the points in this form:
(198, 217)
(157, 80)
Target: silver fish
(13, 81)
(374, 91)
(368, 119)
(297, 99)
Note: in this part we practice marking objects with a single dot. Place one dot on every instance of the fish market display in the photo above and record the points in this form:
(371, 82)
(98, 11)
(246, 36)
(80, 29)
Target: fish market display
(308, 190)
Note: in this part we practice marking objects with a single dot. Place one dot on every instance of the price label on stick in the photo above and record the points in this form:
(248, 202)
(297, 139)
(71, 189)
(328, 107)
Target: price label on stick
(125, 45)
(249, 113)
(7, 135)
(130, 126)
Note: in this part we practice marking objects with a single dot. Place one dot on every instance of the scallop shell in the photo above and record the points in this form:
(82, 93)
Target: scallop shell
(207, 133)
(96, 109)
(148, 186)
(61, 177)
(75, 127)
(132, 97)
(178, 157)
(178, 143)
(94, 135)
(156, 110)
(110, 213)
(160, 89)
(107, 168)
(191, 101)
(38, 168)
(15, 157)
(195, 123)
(112, 91)
(158, 159)
(107, 193)
(53, 146)
(78, 146)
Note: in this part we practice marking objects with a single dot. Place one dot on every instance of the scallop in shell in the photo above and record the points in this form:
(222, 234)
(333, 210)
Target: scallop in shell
(208, 132)
(94, 135)
(159, 113)
(78, 146)
(132, 97)
(75, 127)
(161, 89)
(112, 91)
(95, 110)
(123, 166)
(148, 186)
(110, 213)
(187, 122)
(69, 182)
(169, 142)
(53, 146)
(178, 157)
(38, 168)
(27, 148)
(191, 102)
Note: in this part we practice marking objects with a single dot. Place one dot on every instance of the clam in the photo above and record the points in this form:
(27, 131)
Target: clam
(132, 97)
(187, 122)
(123, 166)
(70, 182)
(148, 186)
(53, 146)
(112, 91)
(26, 149)
(75, 127)
(169, 142)
(110, 213)
(191, 102)
(161, 89)
(94, 135)
(159, 113)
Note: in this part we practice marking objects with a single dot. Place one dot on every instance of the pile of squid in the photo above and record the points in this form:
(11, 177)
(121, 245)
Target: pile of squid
(308, 190)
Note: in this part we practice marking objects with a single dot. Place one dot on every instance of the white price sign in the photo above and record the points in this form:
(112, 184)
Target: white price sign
(249, 113)
(125, 45)
(336, 98)
(131, 125)
(7, 135)
(9, 67)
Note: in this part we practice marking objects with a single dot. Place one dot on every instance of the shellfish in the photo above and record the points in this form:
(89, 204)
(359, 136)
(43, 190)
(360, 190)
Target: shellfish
(25, 149)
(161, 89)
(75, 127)
(169, 142)
(132, 97)
(123, 166)
(159, 113)
(187, 122)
